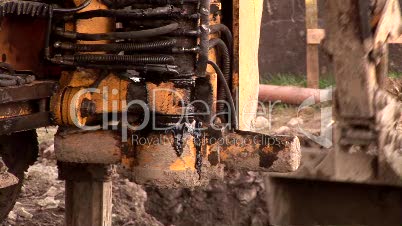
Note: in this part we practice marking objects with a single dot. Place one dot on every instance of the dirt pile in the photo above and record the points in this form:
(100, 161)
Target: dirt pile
(238, 200)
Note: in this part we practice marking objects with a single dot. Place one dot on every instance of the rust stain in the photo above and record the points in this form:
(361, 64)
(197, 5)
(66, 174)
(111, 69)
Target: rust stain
(184, 163)
(22, 41)
(165, 98)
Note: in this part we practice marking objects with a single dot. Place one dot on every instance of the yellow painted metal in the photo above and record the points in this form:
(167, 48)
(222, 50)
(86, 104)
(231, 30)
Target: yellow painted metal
(165, 98)
(246, 32)
(73, 82)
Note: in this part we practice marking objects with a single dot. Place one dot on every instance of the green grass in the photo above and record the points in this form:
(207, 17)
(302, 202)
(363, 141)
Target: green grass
(296, 80)
(300, 80)
(393, 74)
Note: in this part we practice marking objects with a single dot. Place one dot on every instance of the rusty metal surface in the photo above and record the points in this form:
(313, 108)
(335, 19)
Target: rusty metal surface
(158, 162)
(16, 109)
(257, 152)
(22, 42)
(34, 91)
(25, 122)
(171, 159)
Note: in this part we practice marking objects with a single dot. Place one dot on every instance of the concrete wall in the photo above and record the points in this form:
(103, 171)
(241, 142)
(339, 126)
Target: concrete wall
(283, 40)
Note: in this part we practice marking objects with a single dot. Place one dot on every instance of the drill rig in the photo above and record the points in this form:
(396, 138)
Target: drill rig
(165, 88)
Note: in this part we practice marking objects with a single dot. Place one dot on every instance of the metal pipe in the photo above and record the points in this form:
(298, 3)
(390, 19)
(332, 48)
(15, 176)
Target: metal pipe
(288, 94)
(204, 38)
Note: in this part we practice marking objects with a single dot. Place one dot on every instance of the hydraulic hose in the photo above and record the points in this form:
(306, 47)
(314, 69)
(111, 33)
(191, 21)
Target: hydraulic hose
(133, 13)
(226, 33)
(222, 81)
(119, 35)
(130, 59)
(162, 69)
(35, 9)
(73, 10)
(155, 45)
(117, 4)
(226, 68)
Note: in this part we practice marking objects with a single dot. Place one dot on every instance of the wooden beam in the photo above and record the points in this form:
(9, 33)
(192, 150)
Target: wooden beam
(88, 203)
(88, 193)
(312, 57)
(315, 36)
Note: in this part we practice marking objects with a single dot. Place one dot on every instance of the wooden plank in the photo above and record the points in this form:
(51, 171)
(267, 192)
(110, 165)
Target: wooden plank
(312, 57)
(88, 203)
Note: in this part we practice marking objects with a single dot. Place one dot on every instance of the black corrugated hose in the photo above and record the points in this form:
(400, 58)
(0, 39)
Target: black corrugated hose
(225, 32)
(131, 59)
(226, 68)
(224, 84)
(155, 45)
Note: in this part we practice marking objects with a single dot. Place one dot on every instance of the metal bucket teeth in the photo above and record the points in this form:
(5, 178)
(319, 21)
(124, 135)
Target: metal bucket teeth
(17, 7)
(26, 8)
(8, 8)
(14, 7)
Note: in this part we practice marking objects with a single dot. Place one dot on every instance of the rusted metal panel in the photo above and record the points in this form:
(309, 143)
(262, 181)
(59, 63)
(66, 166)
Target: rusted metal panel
(22, 41)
